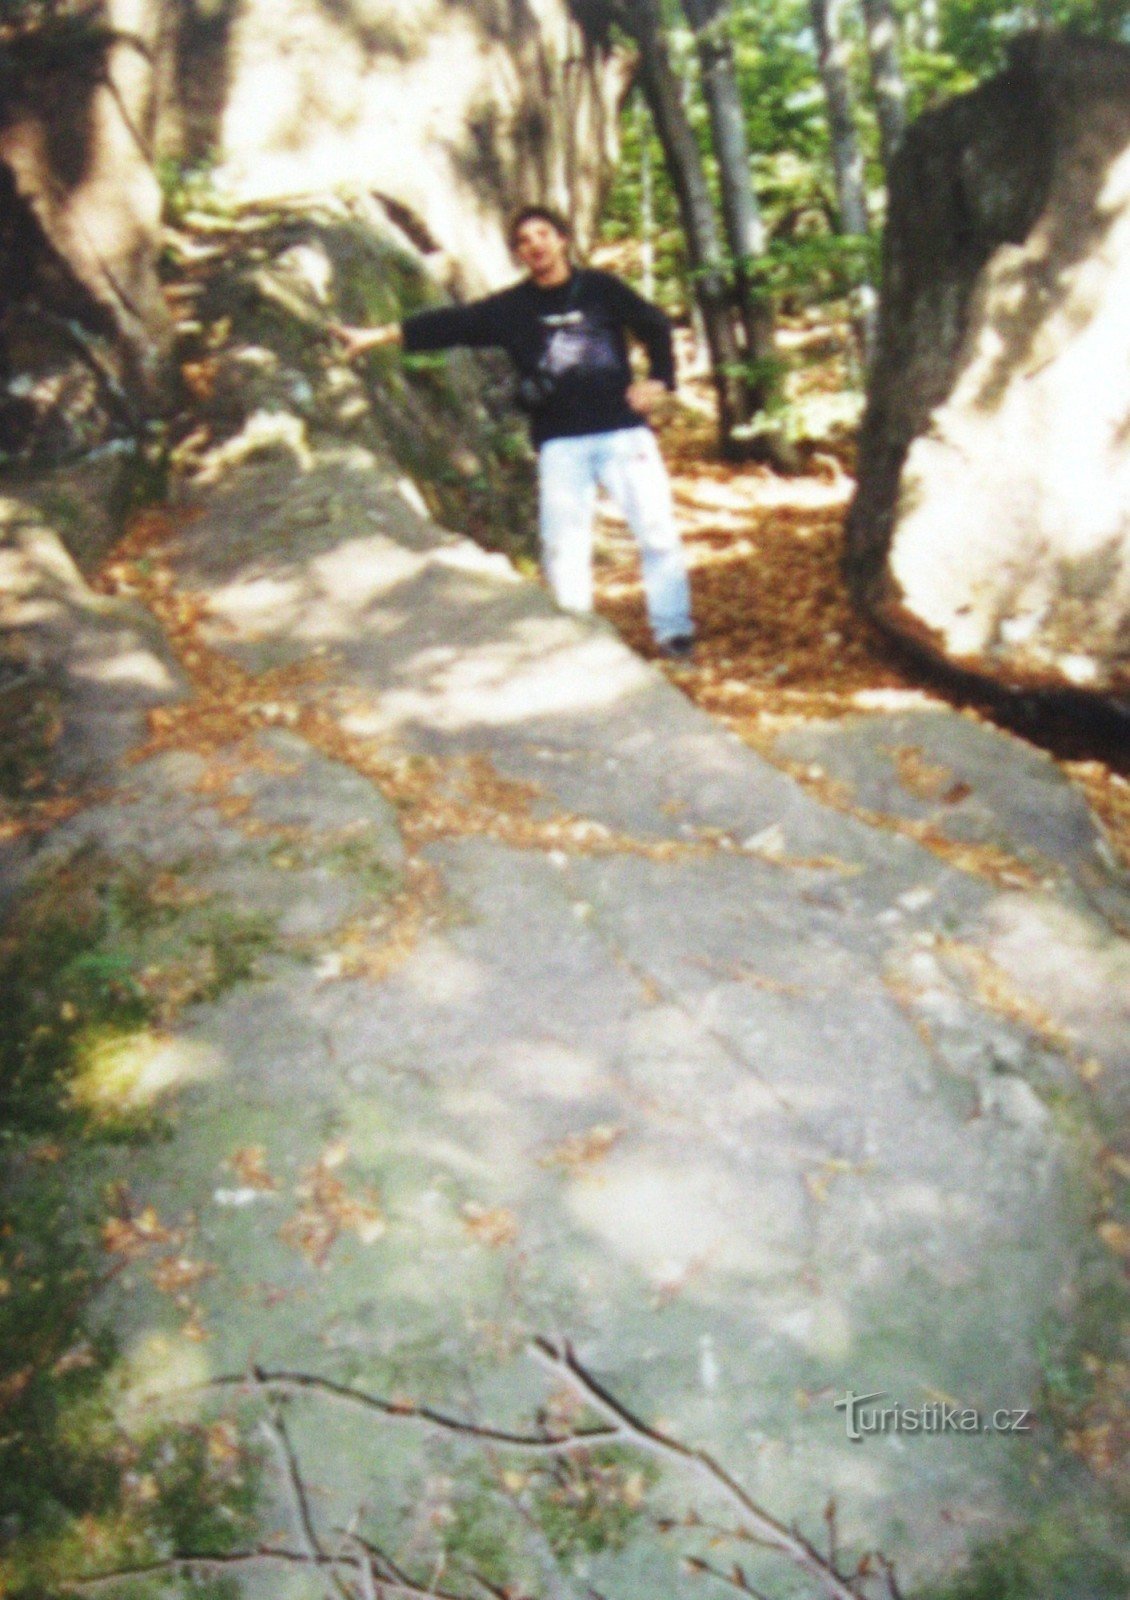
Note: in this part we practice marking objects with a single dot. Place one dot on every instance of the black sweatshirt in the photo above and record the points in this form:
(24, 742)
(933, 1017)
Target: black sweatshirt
(574, 333)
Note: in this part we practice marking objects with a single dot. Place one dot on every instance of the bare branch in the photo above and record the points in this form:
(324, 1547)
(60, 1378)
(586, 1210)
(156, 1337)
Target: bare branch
(562, 1361)
(733, 1580)
(399, 1582)
(889, 1574)
(292, 1475)
(757, 1525)
(833, 1532)
(183, 1565)
(406, 1411)
(202, 1563)
(302, 1502)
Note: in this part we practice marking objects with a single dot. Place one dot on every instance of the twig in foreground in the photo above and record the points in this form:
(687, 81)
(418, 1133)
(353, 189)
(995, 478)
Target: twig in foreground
(408, 1411)
(765, 1528)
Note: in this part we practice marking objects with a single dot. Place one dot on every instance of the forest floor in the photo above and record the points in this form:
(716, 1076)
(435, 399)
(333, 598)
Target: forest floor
(780, 641)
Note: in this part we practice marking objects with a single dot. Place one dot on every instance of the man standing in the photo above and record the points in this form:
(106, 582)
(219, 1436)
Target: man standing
(565, 331)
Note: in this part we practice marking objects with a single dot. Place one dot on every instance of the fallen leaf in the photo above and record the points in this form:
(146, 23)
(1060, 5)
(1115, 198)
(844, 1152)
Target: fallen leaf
(223, 1444)
(249, 1163)
(493, 1226)
(77, 1359)
(176, 1274)
(920, 777)
(133, 1236)
(1116, 1237)
(328, 1210)
(583, 1149)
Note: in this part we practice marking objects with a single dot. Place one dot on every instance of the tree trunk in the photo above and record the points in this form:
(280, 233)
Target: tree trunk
(745, 231)
(887, 80)
(696, 210)
(847, 159)
(930, 22)
(847, 162)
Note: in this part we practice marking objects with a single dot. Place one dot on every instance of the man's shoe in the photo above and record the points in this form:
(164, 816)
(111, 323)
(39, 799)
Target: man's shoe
(680, 648)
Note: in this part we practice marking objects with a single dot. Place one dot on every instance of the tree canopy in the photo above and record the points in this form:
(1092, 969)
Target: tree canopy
(941, 47)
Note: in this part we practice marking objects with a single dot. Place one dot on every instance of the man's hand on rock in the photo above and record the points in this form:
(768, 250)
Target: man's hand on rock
(645, 394)
(356, 341)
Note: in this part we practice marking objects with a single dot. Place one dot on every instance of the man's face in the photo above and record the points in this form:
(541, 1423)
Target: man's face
(541, 249)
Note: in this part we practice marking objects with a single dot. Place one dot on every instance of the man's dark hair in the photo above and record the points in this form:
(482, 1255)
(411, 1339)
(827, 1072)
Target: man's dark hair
(537, 214)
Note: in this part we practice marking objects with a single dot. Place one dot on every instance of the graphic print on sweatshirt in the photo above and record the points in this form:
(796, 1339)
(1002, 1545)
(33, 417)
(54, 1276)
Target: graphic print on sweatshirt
(577, 343)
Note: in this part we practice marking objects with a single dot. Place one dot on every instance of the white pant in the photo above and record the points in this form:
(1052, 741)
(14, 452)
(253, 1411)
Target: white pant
(627, 465)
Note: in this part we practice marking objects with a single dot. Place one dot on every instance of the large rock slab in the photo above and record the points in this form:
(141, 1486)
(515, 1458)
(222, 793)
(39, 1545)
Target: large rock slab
(578, 1019)
(990, 525)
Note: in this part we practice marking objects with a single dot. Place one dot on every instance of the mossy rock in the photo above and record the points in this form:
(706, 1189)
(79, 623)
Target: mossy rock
(263, 343)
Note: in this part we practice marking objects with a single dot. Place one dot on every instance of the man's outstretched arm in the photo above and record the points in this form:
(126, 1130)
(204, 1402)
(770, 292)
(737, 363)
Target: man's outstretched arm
(356, 341)
(475, 324)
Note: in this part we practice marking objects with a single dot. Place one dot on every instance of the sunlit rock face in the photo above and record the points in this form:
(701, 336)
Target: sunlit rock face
(74, 143)
(992, 521)
(454, 113)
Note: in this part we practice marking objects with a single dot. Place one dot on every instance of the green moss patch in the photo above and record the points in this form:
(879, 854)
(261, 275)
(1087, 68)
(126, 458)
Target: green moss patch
(95, 958)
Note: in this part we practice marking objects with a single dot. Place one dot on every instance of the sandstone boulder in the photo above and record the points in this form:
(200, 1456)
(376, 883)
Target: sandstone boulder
(992, 522)
(452, 114)
(75, 142)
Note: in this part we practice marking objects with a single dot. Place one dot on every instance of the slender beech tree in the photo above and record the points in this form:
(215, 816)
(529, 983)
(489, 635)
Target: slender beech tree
(887, 82)
(930, 22)
(710, 23)
(643, 21)
(847, 159)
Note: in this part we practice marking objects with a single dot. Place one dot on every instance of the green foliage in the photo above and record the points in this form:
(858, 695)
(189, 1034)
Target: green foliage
(815, 267)
(48, 1272)
(204, 1487)
(787, 125)
(29, 718)
(186, 187)
(974, 34)
(591, 1502)
(582, 1504)
(1052, 1558)
(59, 976)
(91, 957)
(478, 1535)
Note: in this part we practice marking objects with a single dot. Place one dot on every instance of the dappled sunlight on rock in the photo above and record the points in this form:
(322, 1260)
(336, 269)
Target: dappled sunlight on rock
(823, 1328)
(653, 1214)
(462, 556)
(488, 1114)
(1087, 994)
(330, 600)
(162, 1370)
(134, 1071)
(602, 1028)
(539, 670)
(989, 530)
(929, 1202)
(138, 667)
(443, 977)
(547, 1068)
(448, 1155)
(264, 432)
